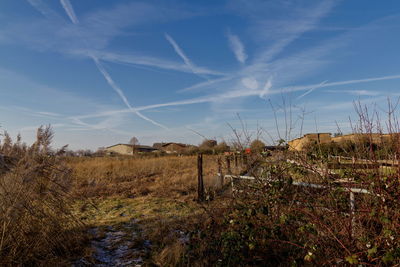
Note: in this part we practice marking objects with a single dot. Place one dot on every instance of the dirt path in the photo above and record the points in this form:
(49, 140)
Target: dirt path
(120, 245)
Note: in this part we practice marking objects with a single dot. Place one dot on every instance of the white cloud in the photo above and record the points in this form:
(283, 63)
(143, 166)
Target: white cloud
(250, 83)
(267, 87)
(237, 47)
(95, 30)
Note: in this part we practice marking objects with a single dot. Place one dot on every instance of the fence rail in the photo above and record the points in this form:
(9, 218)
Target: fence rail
(380, 162)
(352, 191)
(304, 184)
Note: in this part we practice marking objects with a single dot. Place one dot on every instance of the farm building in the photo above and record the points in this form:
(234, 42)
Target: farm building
(374, 137)
(159, 145)
(127, 149)
(299, 144)
(173, 148)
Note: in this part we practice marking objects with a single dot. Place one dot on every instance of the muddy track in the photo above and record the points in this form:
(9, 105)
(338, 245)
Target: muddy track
(120, 245)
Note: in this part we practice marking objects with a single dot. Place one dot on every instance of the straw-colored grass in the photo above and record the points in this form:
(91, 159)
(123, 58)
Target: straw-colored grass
(170, 176)
(153, 195)
(36, 223)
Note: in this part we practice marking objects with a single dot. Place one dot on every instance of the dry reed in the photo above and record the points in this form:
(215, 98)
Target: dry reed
(36, 226)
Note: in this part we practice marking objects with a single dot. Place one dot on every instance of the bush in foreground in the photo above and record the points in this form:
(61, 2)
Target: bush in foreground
(36, 226)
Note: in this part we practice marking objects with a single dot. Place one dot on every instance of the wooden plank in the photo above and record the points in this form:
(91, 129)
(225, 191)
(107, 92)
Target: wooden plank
(228, 165)
(200, 183)
(304, 184)
(333, 165)
(221, 176)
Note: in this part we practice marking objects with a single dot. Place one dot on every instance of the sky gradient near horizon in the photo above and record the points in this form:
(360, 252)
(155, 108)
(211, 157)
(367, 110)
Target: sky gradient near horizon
(101, 72)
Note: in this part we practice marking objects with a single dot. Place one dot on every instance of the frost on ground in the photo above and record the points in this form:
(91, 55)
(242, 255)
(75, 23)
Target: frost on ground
(117, 246)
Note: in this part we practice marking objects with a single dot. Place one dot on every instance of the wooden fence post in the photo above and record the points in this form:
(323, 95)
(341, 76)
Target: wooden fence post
(236, 160)
(200, 183)
(221, 175)
(228, 165)
(352, 212)
(245, 160)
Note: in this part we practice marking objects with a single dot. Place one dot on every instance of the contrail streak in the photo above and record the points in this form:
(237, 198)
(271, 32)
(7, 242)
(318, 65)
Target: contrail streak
(240, 93)
(311, 89)
(206, 83)
(191, 101)
(304, 87)
(71, 14)
(149, 61)
(121, 94)
(44, 9)
(70, 11)
(182, 54)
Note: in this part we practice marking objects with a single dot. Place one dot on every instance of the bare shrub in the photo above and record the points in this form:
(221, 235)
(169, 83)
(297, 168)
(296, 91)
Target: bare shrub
(257, 145)
(271, 221)
(36, 226)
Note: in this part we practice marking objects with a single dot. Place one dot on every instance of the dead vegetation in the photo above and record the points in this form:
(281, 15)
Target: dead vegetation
(36, 223)
(272, 221)
(169, 176)
(157, 193)
(49, 203)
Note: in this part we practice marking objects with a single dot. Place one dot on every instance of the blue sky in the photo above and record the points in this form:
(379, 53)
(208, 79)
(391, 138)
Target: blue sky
(101, 72)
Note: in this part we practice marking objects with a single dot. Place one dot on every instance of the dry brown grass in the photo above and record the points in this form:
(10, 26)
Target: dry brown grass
(158, 193)
(170, 176)
(36, 223)
(48, 203)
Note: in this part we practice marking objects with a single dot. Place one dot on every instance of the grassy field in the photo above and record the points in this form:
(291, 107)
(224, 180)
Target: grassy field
(57, 210)
(151, 198)
(170, 176)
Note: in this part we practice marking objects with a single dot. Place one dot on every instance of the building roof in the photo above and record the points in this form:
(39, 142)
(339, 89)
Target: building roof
(316, 133)
(130, 145)
(172, 143)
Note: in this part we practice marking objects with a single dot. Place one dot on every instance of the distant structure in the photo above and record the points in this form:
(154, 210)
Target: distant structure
(300, 143)
(173, 147)
(275, 148)
(159, 145)
(128, 149)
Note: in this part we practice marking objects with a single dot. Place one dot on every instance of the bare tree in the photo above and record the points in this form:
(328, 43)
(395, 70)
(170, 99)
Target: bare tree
(134, 142)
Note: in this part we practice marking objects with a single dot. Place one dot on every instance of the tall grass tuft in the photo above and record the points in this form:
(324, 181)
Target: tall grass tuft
(36, 225)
